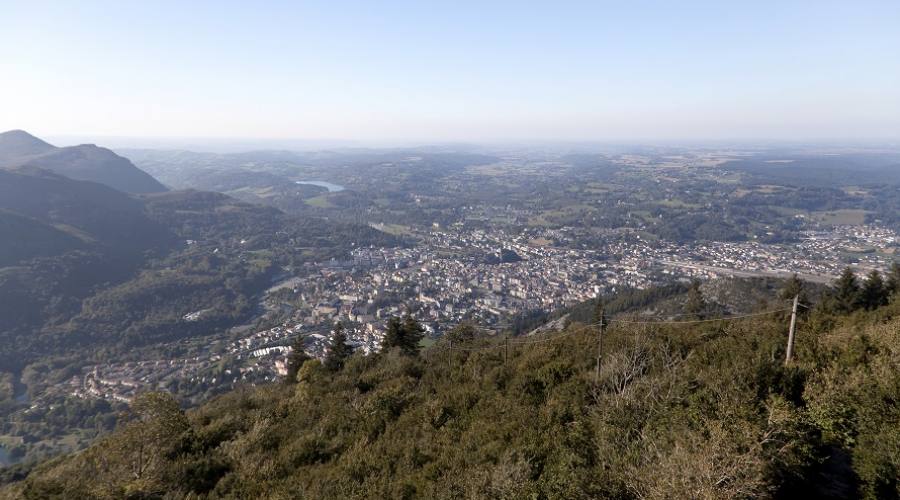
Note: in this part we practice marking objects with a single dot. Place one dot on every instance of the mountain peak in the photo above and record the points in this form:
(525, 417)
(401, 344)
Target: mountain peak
(18, 133)
(18, 143)
(86, 162)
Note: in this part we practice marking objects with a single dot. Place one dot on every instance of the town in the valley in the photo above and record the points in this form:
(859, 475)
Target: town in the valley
(454, 275)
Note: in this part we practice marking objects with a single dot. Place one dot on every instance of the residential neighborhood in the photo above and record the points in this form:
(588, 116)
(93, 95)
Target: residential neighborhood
(484, 276)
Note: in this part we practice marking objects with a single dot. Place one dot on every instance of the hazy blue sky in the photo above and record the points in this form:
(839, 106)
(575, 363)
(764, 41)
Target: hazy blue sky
(455, 70)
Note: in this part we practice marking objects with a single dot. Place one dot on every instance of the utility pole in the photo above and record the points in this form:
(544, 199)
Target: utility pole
(599, 348)
(506, 354)
(790, 344)
(450, 359)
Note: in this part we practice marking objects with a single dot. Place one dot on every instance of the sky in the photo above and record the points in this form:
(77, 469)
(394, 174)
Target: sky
(476, 71)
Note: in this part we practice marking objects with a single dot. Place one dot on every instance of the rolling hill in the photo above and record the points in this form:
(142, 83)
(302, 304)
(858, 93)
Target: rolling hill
(85, 162)
(33, 239)
(97, 214)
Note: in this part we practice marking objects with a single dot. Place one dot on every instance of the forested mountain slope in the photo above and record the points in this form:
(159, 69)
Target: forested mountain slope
(95, 213)
(83, 264)
(701, 410)
(34, 239)
(59, 240)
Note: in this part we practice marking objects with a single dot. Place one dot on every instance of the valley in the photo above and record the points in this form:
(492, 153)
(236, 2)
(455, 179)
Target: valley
(217, 291)
(449, 250)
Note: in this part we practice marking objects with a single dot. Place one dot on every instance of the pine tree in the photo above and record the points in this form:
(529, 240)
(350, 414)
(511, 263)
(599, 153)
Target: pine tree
(846, 292)
(893, 280)
(296, 359)
(413, 333)
(695, 304)
(405, 334)
(338, 349)
(393, 337)
(873, 294)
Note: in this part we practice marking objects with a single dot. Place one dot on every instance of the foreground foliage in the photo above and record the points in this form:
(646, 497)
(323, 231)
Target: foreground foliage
(676, 411)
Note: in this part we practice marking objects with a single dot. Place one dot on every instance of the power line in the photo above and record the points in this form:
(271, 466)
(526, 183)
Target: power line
(607, 321)
(603, 321)
(548, 339)
(684, 322)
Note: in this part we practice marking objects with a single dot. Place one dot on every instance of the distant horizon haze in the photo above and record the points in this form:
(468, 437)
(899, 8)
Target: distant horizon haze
(226, 145)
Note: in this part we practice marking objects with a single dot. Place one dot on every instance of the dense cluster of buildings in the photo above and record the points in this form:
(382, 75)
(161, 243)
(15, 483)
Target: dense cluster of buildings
(452, 276)
(483, 276)
(819, 255)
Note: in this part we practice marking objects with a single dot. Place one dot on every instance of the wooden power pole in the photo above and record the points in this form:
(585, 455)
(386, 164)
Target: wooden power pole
(790, 343)
(599, 348)
(506, 353)
(450, 359)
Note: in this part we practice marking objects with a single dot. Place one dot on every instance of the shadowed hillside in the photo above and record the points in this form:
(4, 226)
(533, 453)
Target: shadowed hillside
(96, 213)
(34, 239)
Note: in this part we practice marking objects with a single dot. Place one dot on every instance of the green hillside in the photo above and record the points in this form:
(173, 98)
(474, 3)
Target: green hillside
(82, 264)
(59, 240)
(100, 214)
(683, 410)
(33, 239)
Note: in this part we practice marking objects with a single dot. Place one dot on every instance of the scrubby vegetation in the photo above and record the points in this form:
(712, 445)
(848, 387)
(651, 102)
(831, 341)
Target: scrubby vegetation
(704, 410)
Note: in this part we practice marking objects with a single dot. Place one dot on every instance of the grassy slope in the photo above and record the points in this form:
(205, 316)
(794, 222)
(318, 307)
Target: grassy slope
(679, 411)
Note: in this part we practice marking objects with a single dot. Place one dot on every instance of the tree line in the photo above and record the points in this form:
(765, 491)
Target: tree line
(404, 335)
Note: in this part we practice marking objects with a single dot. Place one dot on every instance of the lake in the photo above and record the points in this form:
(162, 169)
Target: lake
(332, 188)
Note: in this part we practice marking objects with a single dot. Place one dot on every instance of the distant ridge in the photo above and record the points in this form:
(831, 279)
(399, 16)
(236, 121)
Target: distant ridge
(85, 162)
(18, 143)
